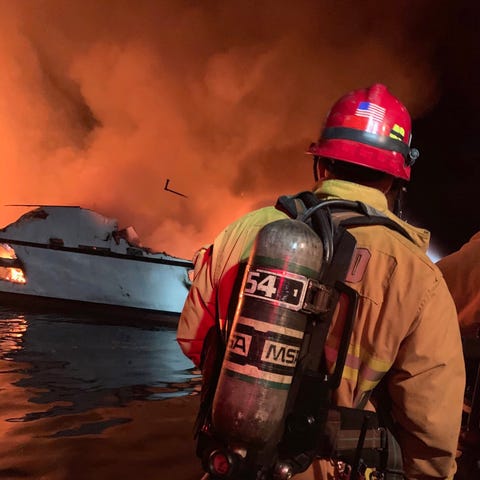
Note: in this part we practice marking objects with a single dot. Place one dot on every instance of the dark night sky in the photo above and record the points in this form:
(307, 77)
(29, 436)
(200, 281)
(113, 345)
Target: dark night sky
(443, 193)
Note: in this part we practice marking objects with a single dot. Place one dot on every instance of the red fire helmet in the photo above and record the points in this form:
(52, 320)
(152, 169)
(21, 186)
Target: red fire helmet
(371, 128)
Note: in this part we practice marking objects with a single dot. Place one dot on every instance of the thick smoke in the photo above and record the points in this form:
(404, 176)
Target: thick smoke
(102, 102)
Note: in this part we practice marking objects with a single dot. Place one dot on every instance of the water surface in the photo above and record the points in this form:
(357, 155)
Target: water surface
(92, 398)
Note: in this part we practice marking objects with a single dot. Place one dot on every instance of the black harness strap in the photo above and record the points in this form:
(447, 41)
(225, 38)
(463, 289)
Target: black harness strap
(313, 426)
(359, 437)
(352, 214)
(361, 221)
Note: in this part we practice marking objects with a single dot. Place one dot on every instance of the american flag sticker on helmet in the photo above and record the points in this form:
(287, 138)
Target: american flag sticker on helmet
(370, 110)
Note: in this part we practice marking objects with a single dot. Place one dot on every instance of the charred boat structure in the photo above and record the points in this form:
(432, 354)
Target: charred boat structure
(76, 258)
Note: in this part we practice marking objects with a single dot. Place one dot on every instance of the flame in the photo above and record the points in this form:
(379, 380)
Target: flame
(10, 274)
(15, 275)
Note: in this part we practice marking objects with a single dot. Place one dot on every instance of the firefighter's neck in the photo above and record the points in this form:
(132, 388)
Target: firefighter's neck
(385, 185)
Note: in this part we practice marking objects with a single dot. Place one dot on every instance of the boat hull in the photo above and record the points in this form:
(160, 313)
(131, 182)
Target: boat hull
(96, 278)
(88, 311)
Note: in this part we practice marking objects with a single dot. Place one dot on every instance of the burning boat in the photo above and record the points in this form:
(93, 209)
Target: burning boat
(75, 257)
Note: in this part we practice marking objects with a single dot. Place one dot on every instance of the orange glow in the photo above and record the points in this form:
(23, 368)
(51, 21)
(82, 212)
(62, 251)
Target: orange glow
(13, 340)
(10, 274)
(219, 102)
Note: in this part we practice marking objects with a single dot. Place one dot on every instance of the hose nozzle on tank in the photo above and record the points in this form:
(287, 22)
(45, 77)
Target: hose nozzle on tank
(223, 463)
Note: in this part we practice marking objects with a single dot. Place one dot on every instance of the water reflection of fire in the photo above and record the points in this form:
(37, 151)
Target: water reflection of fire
(11, 274)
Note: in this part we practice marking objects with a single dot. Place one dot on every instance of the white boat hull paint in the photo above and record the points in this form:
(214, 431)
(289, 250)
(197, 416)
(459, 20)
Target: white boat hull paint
(125, 282)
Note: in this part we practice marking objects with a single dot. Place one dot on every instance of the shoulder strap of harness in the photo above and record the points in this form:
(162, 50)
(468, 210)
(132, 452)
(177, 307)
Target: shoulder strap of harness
(348, 214)
(358, 435)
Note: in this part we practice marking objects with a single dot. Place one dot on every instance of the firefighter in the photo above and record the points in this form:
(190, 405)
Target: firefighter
(406, 331)
(461, 271)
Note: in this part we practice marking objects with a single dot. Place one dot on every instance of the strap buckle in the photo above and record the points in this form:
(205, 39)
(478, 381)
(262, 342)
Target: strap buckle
(317, 298)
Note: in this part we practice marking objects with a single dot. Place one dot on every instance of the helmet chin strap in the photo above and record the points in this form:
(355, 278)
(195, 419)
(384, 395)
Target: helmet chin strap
(399, 200)
(315, 167)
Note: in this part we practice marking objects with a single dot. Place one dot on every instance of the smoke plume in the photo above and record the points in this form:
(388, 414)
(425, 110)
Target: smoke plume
(102, 102)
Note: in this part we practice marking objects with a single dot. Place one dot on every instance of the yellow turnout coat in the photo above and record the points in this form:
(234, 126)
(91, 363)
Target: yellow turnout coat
(461, 270)
(406, 325)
